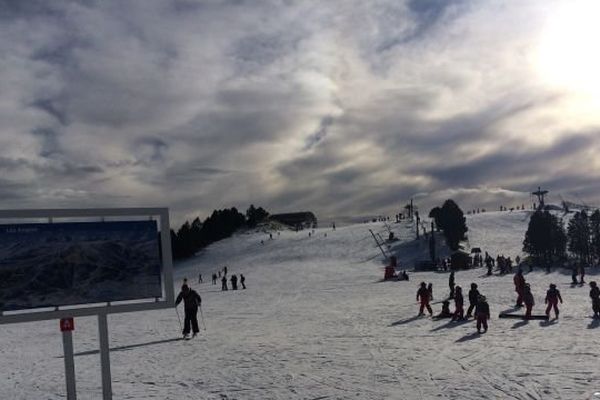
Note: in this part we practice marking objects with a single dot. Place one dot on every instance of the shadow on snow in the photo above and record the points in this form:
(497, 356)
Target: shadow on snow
(128, 347)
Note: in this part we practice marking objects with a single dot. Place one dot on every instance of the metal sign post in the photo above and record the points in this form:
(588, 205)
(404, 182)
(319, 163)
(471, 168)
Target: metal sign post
(104, 357)
(67, 326)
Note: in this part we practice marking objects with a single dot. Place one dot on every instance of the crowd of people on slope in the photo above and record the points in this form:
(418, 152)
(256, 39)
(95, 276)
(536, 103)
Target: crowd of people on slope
(222, 275)
(477, 304)
(479, 308)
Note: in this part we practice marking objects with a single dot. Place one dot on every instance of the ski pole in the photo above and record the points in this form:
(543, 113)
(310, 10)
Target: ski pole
(202, 318)
(178, 318)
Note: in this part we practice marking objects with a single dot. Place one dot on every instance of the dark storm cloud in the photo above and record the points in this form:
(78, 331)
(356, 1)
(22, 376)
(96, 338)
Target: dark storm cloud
(426, 14)
(52, 108)
(512, 161)
(320, 134)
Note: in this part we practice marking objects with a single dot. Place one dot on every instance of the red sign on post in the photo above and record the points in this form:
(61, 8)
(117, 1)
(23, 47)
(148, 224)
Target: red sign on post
(67, 324)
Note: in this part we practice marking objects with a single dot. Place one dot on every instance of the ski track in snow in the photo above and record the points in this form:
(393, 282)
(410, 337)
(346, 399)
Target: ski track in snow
(316, 323)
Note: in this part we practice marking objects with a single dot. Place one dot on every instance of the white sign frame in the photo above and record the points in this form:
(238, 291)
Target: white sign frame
(167, 301)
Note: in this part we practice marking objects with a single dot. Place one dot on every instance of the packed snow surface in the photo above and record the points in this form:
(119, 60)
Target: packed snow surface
(317, 322)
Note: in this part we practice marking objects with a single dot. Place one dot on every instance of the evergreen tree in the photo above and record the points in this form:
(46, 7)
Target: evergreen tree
(453, 223)
(255, 215)
(595, 235)
(435, 214)
(192, 237)
(579, 236)
(545, 238)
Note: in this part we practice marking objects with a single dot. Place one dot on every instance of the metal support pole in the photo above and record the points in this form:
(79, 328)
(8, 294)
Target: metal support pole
(104, 357)
(69, 365)
(378, 245)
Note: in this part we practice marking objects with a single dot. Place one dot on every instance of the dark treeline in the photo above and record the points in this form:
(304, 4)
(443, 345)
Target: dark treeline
(196, 235)
(547, 240)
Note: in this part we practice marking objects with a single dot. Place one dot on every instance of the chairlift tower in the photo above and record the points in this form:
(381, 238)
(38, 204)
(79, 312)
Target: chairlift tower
(540, 195)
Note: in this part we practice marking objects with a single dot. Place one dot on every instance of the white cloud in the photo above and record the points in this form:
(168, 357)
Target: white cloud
(343, 107)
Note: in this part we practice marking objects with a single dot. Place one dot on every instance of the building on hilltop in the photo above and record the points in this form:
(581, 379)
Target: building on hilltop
(298, 220)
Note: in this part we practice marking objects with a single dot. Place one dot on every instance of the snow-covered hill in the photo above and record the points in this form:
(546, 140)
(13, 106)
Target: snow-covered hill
(316, 322)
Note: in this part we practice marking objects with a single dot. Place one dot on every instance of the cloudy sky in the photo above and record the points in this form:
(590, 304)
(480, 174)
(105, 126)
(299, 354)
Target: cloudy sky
(341, 107)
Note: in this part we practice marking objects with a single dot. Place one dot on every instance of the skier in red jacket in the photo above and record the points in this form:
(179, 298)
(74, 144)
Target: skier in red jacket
(423, 296)
(552, 299)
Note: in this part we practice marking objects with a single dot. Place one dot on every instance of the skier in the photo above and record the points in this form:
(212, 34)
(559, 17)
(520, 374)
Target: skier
(445, 313)
(473, 299)
(529, 301)
(430, 290)
(459, 312)
(482, 313)
(191, 302)
(233, 282)
(519, 281)
(552, 299)
(242, 280)
(423, 296)
(451, 284)
(574, 275)
(224, 283)
(595, 296)
(214, 279)
(199, 278)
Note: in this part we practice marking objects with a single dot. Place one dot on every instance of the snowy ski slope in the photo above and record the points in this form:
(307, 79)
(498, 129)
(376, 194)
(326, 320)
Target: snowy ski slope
(316, 322)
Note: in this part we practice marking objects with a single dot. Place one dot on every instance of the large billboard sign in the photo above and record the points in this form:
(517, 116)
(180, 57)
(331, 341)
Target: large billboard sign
(83, 262)
(58, 264)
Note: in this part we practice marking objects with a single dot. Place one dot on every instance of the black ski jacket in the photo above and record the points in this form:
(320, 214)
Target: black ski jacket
(473, 296)
(191, 300)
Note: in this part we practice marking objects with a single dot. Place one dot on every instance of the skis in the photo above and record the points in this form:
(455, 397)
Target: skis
(522, 316)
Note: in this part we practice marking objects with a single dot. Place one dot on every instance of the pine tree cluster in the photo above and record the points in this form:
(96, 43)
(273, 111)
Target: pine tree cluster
(451, 220)
(221, 224)
(545, 238)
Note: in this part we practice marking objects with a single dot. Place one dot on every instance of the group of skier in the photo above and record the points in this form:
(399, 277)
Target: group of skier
(234, 280)
(477, 303)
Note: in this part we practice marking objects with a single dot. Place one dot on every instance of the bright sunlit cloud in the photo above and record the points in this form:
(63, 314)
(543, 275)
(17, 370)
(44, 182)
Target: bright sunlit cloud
(568, 57)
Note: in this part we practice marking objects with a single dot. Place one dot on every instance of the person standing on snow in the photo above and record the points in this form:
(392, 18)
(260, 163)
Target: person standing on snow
(224, 283)
(423, 296)
(458, 304)
(581, 273)
(234, 282)
(595, 296)
(482, 314)
(519, 281)
(242, 281)
(191, 302)
(451, 284)
(430, 290)
(552, 299)
(214, 279)
(473, 299)
(529, 301)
